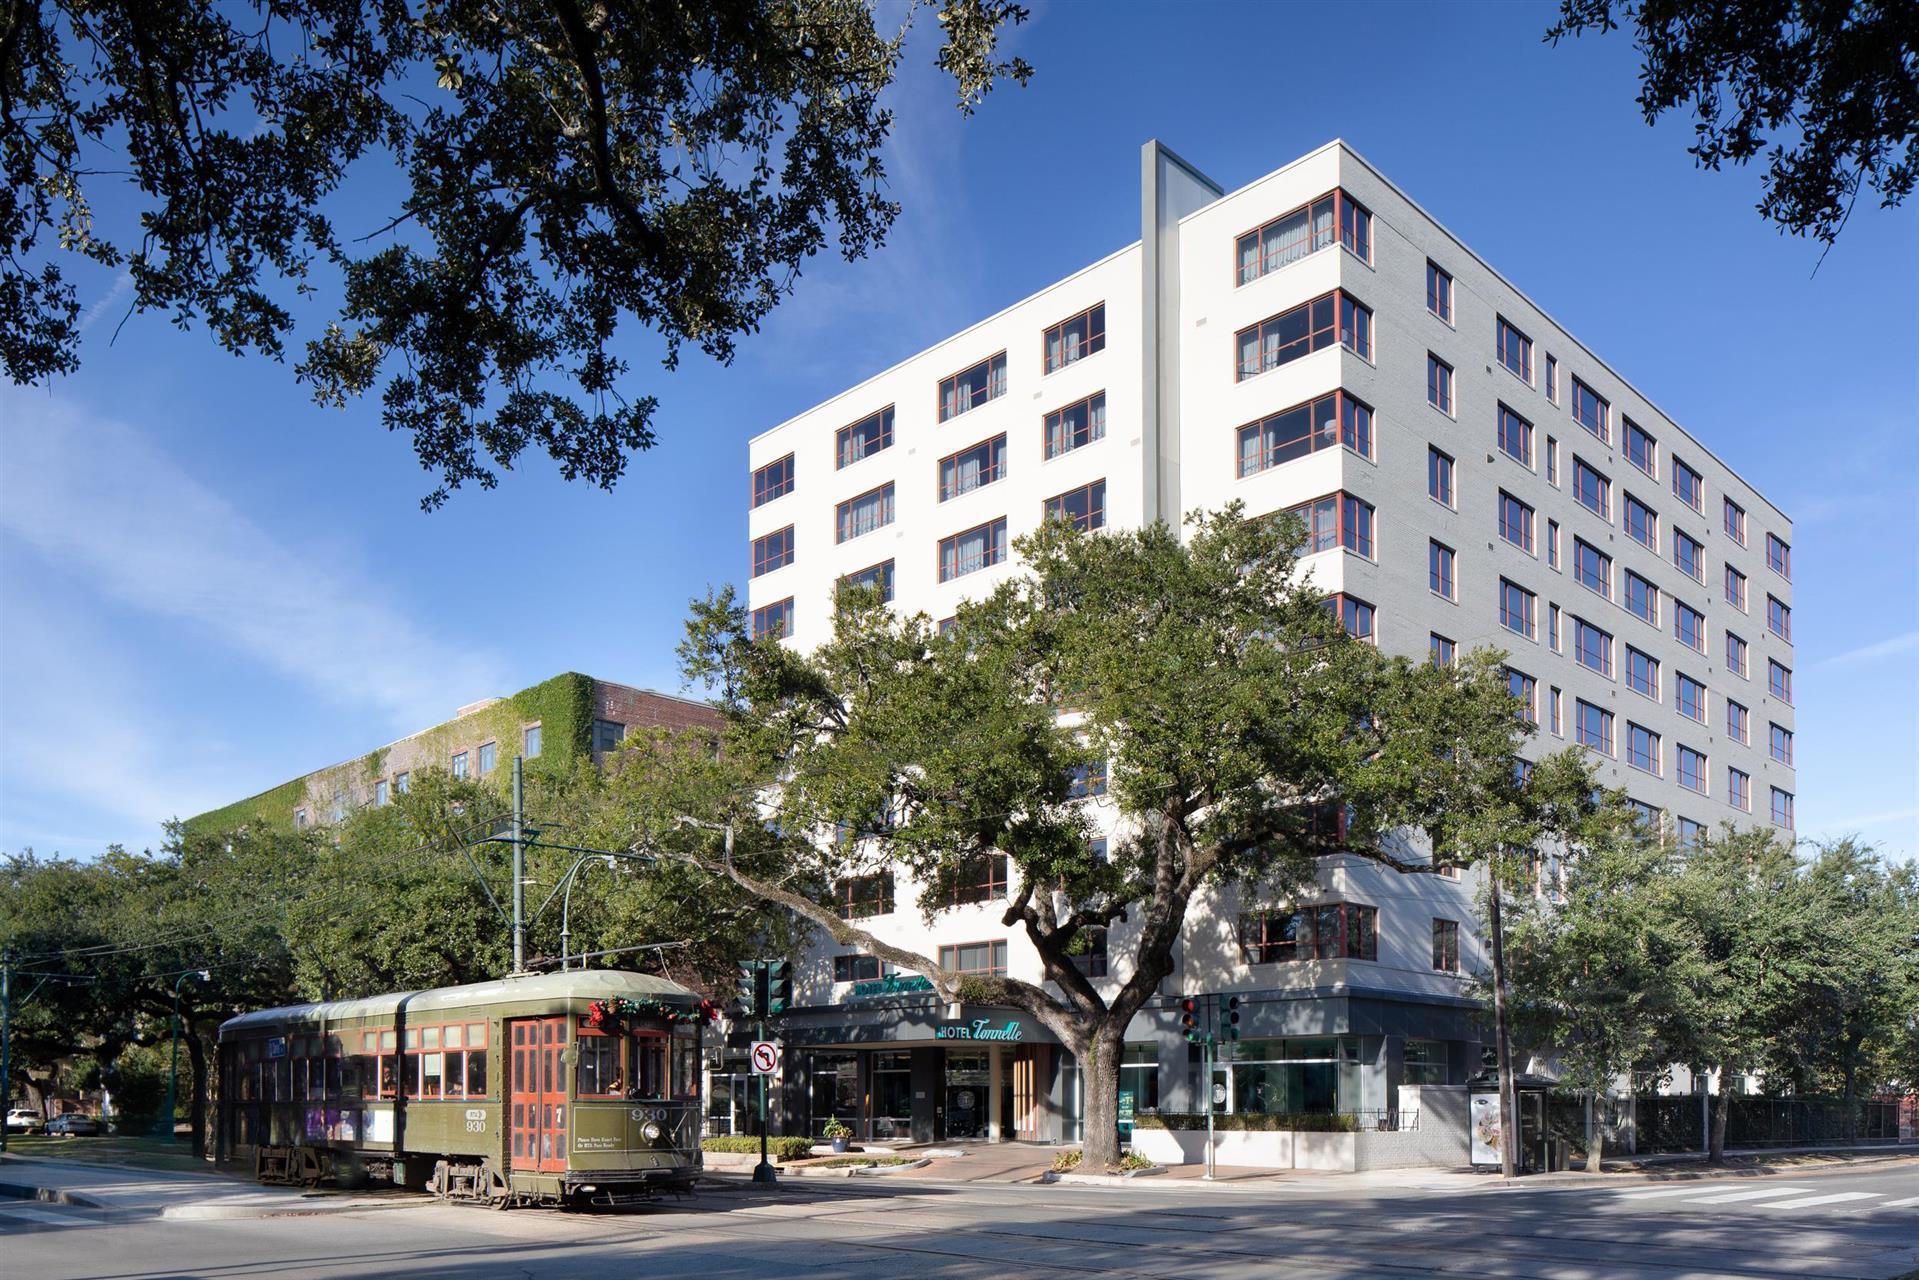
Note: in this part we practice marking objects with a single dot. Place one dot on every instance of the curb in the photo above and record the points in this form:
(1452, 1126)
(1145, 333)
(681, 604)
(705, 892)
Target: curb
(1051, 1177)
(853, 1171)
(49, 1195)
(216, 1211)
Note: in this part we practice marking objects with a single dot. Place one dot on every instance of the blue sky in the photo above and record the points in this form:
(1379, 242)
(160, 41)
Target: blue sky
(209, 585)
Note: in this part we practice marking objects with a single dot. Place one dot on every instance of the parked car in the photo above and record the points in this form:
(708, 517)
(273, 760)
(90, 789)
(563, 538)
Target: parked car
(24, 1120)
(75, 1126)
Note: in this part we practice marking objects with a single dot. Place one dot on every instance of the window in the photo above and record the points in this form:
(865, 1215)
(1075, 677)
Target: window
(1084, 508)
(299, 818)
(1290, 434)
(1074, 339)
(1085, 780)
(1552, 626)
(402, 783)
(1354, 614)
(1441, 650)
(1735, 522)
(1552, 379)
(1641, 449)
(1735, 588)
(1779, 556)
(1642, 598)
(1782, 808)
(1515, 521)
(1526, 689)
(459, 771)
(866, 437)
(1439, 476)
(857, 968)
(488, 757)
(1591, 411)
(1592, 567)
(976, 548)
(1076, 425)
(975, 957)
(1592, 490)
(862, 515)
(1691, 834)
(1090, 960)
(1779, 617)
(774, 480)
(1642, 747)
(1689, 625)
(1302, 231)
(1642, 673)
(1592, 647)
(1592, 726)
(1689, 555)
(856, 897)
(1692, 769)
(773, 551)
(1439, 570)
(1739, 789)
(980, 879)
(1515, 350)
(607, 735)
(379, 792)
(1782, 744)
(1779, 680)
(1336, 520)
(1446, 946)
(1517, 607)
(530, 741)
(1552, 544)
(1439, 291)
(973, 468)
(1515, 436)
(1555, 703)
(879, 575)
(1642, 523)
(774, 619)
(1302, 330)
(1552, 462)
(1689, 697)
(1736, 655)
(1439, 384)
(1688, 485)
(971, 388)
(1738, 722)
(1328, 931)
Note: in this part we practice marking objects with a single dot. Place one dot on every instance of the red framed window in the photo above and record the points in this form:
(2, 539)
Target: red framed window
(1592, 647)
(1642, 598)
(1779, 556)
(972, 387)
(1592, 567)
(1336, 520)
(986, 958)
(1440, 561)
(1552, 378)
(973, 468)
(1592, 726)
(1689, 625)
(774, 619)
(1592, 489)
(866, 437)
(1735, 588)
(1439, 476)
(1327, 931)
(1299, 232)
(1075, 425)
(1515, 437)
(773, 551)
(1084, 508)
(1446, 946)
(439, 1061)
(1641, 449)
(1642, 747)
(1736, 652)
(1291, 434)
(865, 513)
(1439, 384)
(1515, 521)
(1689, 555)
(1642, 673)
(1782, 808)
(1336, 317)
(1354, 614)
(1781, 744)
(774, 480)
(1779, 618)
(1642, 523)
(1591, 411)
(1735, 522)
(1739, 789)
(1518, 609)
(878, 575)
(1514, 348)
(1779, 680)
(972, 549)
(1439, 291)
(1738, 722)
(858, 968)
(981, 879)
(856, 897)
(1526, 690)
(1075, 338)
(1692, 769)
(1688, 485)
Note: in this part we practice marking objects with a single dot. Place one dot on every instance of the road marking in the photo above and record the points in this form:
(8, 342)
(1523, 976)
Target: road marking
(1760, 1193)
(1907, 1203)
(1835, 1198)
(1670, 1191)
(8, 1212)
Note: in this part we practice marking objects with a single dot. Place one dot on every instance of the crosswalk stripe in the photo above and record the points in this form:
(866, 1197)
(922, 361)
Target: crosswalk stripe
(1907, 1203)
(9, 1212)
(1669, 1191)
(1835, 1198)
(1757, 1193)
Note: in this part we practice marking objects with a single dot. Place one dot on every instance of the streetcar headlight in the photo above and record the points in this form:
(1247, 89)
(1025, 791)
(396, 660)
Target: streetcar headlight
(650, 1131)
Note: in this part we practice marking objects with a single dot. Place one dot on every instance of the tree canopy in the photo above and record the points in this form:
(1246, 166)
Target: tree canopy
(549, 170)
(1828, 89)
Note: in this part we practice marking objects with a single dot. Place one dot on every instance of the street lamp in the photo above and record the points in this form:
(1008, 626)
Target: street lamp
(165, 1124)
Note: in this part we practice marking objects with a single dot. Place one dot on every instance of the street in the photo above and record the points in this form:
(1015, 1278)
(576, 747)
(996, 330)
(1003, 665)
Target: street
(1847, 1222)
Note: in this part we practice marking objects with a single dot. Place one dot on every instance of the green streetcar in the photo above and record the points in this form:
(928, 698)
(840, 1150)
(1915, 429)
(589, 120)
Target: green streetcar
(580, 1087)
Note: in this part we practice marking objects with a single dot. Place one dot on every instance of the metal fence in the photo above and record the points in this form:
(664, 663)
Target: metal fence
(1678, 1123)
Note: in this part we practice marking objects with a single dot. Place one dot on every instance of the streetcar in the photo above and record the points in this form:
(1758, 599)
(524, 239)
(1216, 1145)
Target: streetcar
(570, 1089)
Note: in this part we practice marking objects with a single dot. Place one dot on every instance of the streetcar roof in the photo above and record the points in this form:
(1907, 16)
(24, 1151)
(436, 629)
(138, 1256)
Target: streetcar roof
(586, 984)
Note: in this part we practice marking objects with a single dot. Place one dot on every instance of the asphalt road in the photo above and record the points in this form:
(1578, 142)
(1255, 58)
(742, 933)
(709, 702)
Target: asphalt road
(1857, 1222)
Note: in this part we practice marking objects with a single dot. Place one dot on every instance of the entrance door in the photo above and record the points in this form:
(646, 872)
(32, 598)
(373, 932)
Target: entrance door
(538, 1094)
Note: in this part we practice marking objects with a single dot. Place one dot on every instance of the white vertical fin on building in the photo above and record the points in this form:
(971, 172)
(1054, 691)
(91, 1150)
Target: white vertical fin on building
(1169, 189)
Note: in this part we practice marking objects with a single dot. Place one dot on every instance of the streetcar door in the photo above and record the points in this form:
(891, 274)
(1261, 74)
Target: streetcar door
(538, 1094)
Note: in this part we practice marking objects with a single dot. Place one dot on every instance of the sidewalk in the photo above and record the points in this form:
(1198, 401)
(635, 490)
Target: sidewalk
(187, 1196)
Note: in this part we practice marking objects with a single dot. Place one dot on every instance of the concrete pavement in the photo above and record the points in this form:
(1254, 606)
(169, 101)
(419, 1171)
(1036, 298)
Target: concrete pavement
(132, 1192)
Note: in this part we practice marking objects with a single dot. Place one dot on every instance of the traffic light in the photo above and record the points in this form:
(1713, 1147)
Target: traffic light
(1229, 1017)
(752, 989)
(779, 986)
(1189, 1020)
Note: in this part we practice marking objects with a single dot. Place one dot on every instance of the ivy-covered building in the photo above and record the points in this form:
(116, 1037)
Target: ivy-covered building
(553, 724)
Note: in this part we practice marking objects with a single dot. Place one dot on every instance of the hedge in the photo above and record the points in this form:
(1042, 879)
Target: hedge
(1254, 1121)
(777, 1148)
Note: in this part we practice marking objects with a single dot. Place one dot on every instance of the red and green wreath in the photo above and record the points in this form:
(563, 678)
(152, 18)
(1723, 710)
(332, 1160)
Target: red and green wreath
(616, 1012)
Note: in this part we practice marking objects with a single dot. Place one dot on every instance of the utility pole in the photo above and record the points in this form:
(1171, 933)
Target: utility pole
(519, 865)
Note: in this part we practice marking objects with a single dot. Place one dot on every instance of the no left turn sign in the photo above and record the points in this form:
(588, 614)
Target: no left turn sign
(766, 1057)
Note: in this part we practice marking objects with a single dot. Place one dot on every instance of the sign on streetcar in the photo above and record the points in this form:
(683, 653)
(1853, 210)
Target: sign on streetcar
(765, 1056)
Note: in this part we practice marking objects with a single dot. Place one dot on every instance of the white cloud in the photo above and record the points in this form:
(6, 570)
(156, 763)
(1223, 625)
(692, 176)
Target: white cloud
(1902, 643)
(121, 287)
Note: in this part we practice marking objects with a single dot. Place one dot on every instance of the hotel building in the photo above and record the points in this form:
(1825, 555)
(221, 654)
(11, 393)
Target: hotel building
(1470, 474)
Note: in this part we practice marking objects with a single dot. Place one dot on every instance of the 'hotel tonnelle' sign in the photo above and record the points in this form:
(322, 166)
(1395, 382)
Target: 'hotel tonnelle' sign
(979, 1029)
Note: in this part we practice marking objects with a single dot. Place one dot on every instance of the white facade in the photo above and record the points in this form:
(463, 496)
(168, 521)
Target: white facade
(1175, 402)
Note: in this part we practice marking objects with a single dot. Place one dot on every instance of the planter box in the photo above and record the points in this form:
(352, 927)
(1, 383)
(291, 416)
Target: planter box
(1336, 1152)
(1251, 1148)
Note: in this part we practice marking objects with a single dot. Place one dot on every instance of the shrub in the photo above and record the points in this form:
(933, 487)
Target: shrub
(1251, 1122)
(776, 1148)
(1066, 1161)
(1134, 1160)
(859, 1162)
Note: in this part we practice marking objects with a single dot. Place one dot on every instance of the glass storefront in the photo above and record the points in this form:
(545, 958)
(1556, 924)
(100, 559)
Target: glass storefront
(892, 1095)
(969, 1083)
(1310, 1075)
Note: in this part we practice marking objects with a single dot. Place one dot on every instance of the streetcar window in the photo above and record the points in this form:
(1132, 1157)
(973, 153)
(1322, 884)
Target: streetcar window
(649, 1065)
(686, 1061)
(389, 1075)
(476, 1073)
(432, 1071)
(455, 1072)
(333, 1081)
(600, 1067)
(429, 1037)
(452, 1036)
